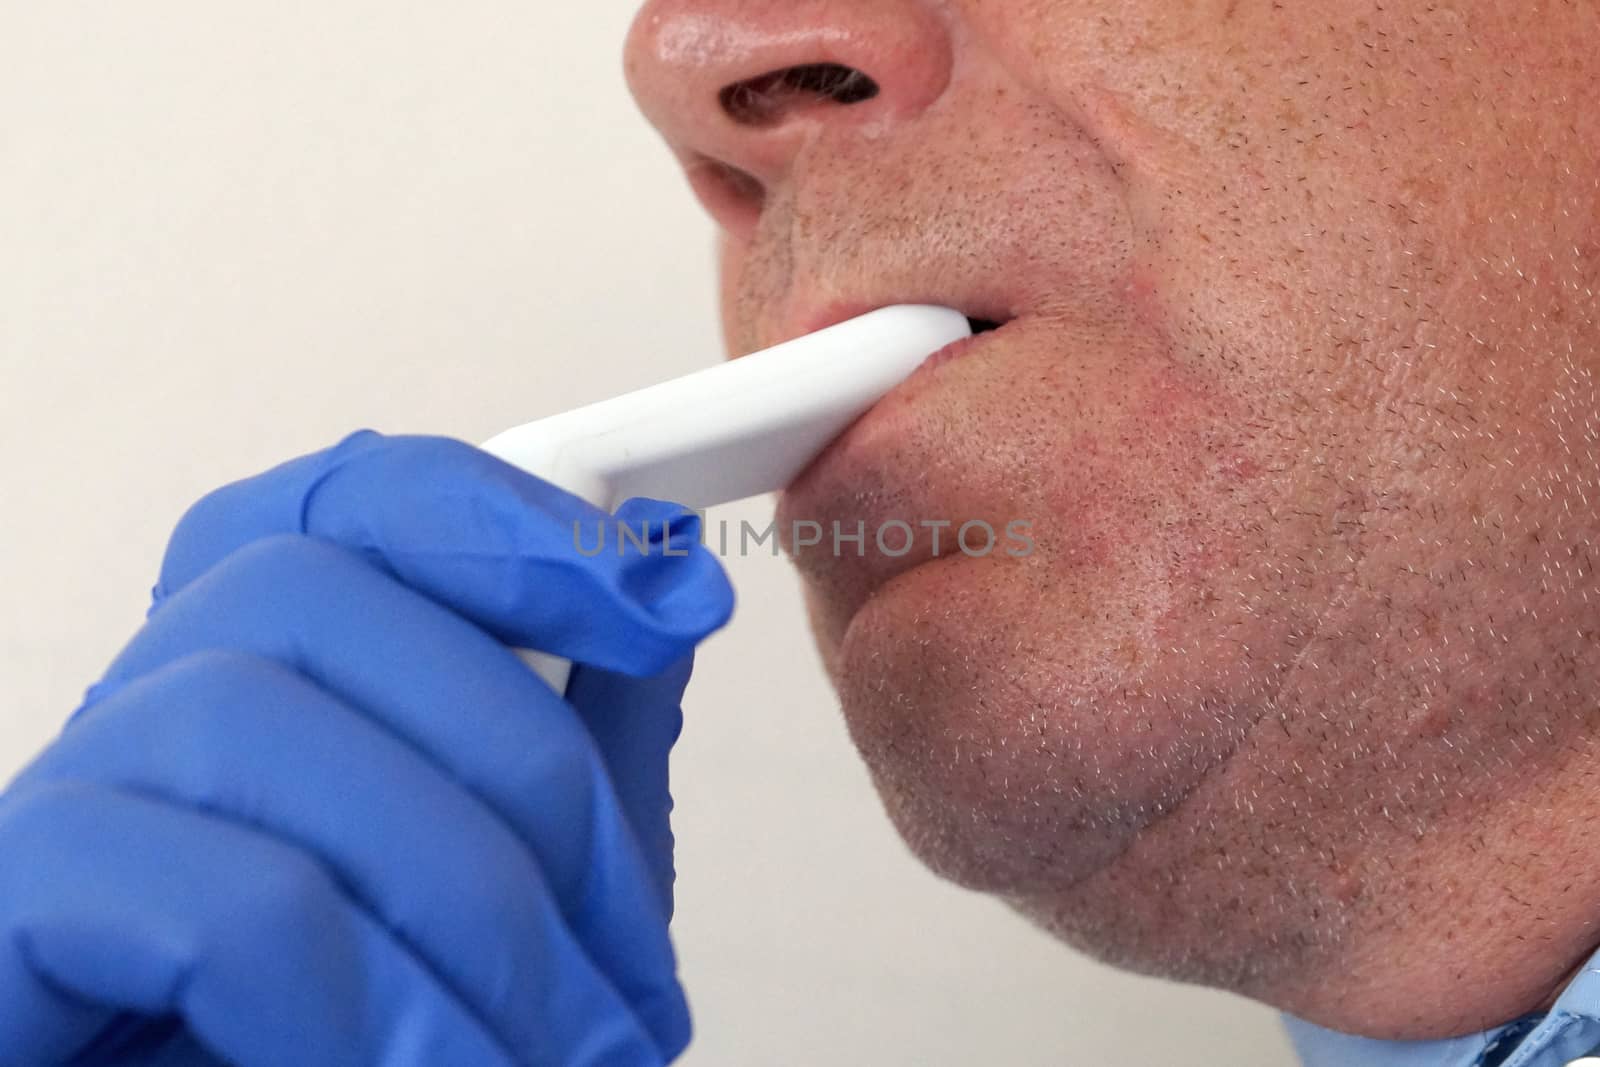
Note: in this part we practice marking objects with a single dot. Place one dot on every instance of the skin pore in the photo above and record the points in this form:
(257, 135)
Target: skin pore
(1300, 390)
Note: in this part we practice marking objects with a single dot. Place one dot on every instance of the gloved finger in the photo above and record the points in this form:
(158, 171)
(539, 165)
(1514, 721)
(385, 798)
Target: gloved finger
(507, 550)
(128, 904)
(230, 733)
(634, 723)
(464, 701)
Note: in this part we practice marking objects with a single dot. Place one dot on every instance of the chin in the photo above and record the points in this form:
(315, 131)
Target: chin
(1024, 721)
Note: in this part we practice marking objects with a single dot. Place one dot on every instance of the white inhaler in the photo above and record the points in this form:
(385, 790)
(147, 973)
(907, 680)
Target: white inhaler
(730, 431)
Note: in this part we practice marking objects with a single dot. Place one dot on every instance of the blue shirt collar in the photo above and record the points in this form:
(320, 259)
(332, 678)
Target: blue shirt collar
(1571, 1030)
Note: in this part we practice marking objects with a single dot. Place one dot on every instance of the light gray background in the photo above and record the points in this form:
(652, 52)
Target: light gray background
(230, 233)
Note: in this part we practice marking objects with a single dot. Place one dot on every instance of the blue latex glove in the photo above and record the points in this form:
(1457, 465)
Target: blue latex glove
(318, 813)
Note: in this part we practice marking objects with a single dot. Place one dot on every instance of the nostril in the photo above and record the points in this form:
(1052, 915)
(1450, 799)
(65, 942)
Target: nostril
(764, 100)
(733, 197)
(841, 84)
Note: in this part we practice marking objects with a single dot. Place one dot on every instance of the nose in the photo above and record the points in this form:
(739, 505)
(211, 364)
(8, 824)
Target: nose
(739, 88)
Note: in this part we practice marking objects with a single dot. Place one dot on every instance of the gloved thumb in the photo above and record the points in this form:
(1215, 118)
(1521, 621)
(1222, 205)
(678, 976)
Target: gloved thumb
(635, 722)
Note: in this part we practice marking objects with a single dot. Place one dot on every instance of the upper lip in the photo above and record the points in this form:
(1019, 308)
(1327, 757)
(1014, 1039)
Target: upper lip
(799, 285)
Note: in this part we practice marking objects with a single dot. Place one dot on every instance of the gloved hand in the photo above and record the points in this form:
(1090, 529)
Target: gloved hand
(318, 813)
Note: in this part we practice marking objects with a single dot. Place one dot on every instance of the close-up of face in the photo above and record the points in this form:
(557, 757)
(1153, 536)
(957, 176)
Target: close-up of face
(1294, 382)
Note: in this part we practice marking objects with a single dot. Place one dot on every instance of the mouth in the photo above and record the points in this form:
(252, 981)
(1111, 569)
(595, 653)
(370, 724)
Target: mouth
(986, 315)
(880, 458)
(982, 328)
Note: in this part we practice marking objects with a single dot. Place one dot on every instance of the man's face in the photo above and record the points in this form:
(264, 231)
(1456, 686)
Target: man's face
(1296, 386)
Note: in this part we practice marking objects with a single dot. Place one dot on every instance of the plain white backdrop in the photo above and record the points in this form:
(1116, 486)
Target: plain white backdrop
(231, 233)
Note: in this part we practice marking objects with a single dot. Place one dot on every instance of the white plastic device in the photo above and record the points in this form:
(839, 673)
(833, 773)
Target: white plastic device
(730, 431)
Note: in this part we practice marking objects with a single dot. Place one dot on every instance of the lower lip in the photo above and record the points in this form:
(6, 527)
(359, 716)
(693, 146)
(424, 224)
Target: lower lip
(822, 476)
(907, 389)
(954, 350)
